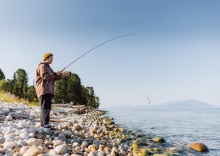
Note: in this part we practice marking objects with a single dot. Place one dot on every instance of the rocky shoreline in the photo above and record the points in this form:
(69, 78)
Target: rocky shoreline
(90, 133)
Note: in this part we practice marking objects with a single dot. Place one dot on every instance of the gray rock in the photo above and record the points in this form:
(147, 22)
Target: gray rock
(2, 140)
(61, 136)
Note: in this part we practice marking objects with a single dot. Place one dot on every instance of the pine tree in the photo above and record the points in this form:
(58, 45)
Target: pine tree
(2, 75)
(20, 83)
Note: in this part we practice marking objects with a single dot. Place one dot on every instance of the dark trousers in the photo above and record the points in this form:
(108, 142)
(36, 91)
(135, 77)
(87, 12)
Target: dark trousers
(45, 101)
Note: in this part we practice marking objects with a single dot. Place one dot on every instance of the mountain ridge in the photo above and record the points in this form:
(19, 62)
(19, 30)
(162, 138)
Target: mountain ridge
(184, 104)
(187, 104)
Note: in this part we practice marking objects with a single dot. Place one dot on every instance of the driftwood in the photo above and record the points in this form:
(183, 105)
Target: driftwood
(82, 109)
(79, 109)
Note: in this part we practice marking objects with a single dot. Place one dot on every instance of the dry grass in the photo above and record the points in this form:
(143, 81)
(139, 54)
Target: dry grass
(7, 97)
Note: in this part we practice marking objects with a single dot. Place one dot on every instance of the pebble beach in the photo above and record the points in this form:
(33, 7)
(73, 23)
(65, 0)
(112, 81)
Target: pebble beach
(93, 133)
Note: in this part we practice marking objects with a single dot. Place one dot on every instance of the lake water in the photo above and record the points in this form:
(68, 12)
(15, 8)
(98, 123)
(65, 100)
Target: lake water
(176, 126)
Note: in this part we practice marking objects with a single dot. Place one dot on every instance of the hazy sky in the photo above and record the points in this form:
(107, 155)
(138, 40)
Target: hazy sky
(174, 54)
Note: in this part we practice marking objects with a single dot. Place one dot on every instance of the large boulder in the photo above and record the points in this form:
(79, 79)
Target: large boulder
(200, 147)
(159, 139)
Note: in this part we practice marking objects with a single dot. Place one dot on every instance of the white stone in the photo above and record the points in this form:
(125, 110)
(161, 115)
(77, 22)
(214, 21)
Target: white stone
(8, 118)
(61, 149)
(33, 151)
(24, 135)
(8, 130)
(17, 132)
(11, 135)
(34, 141)
(92, 154)
(2, 126)
(21, 143)
(16, 138)
(10, 123)
(9, 140)
(38, 125)
(57, 143)
(8, 145)
(8, 152)
(31, 135)
(52, 152)
(75, 144)
(84, 144)
(24, 149)
(20, 125)
(24, 130)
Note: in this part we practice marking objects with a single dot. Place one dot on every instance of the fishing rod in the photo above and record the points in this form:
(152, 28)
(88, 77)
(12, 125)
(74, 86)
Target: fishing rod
(96, 47)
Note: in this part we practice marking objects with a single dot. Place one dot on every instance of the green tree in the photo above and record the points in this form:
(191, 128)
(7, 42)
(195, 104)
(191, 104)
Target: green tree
(2, 75)
(92, 99)
(30, 95)
(97, 102)
(6, 85)
(74, 89)
(85, 94)
(61, 91)
(69, 90)
(20, 83)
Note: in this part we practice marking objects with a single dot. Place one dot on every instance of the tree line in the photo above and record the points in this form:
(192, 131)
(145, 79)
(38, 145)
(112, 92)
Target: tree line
(68, 90)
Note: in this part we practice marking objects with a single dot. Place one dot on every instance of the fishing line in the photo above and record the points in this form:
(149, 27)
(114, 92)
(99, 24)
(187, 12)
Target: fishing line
(95, 48)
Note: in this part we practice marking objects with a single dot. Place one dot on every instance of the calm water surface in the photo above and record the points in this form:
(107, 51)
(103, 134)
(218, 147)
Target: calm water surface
(176, 126)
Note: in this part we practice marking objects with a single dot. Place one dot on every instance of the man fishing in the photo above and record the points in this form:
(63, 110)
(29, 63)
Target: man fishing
(45, 87)
(45, 78)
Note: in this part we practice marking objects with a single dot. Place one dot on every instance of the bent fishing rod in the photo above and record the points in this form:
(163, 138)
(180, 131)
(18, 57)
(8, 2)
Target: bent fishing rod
(95, 48)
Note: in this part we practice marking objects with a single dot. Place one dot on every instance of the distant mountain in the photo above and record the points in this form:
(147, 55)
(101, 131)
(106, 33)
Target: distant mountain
(189, 104)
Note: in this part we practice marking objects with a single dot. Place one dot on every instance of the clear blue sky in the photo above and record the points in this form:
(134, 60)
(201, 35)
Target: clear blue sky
(174, 54)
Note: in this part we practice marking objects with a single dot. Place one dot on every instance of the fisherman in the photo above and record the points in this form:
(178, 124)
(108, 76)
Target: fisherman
(45, 87)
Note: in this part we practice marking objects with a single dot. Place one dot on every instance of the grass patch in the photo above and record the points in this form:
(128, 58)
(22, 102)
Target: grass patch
(8, 97)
